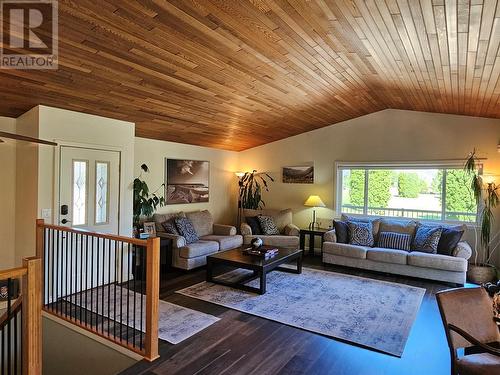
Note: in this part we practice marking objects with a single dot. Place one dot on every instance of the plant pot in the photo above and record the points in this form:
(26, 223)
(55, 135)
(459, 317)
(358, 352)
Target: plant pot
(482, 273)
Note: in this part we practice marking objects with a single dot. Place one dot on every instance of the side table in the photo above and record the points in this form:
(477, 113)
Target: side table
(165, 259)
(312, 233)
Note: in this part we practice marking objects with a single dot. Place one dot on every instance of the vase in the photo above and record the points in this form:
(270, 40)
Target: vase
(482, 273)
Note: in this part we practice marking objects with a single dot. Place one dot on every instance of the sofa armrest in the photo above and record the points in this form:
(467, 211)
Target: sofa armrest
(245, 229)
(463, 250)
(177, 241)
(330, 236)
(291, 230)
(224, 230)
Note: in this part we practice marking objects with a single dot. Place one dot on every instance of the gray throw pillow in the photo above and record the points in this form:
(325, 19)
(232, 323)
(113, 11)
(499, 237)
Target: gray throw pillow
(427, 239)
(186, 229)
(360, 234)
(267, 225)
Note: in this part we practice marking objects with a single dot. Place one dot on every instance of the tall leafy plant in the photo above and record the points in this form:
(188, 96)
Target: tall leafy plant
(145, 202)
(251, 186)
(490, 199)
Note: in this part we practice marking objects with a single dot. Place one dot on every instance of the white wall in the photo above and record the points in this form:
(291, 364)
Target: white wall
(7, 195)
(223, 182)
(389, 135)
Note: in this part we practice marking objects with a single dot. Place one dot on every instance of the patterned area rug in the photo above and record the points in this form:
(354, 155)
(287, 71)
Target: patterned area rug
(374, 314)
(176, 323)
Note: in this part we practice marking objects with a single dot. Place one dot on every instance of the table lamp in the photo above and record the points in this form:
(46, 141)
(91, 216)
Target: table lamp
(314, 201)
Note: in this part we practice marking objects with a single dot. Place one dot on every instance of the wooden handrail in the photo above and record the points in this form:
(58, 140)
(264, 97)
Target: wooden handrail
(16, 306)
(14, 273)
(113, 237)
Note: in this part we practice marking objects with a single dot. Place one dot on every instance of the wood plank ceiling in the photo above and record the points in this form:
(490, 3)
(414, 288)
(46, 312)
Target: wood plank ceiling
(234, 74)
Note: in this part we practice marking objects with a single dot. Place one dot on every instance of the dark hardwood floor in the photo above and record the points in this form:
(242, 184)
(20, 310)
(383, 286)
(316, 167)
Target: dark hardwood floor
(244, 344)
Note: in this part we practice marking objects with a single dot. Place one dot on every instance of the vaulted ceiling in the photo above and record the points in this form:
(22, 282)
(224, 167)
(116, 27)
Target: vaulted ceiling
(234, 74)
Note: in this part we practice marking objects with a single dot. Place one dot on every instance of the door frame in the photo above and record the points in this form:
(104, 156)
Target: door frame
(57, 170)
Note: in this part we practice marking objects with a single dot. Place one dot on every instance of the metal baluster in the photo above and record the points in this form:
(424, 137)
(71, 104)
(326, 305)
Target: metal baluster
(81, 275)
(128, 292)
(143, 282)
(134, 295)
(109, 284)
(9, 330)
(16, 348)
(86, 278)
(102, 285)
(91, 278)
(121, 290)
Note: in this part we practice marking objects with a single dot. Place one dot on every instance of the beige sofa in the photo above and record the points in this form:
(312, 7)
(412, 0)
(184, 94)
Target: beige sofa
(212, 238)
(289, 233)
(416, 264)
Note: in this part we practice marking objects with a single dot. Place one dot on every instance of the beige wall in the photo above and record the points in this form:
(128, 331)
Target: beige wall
(26, 185)
(223, 182)
(389, 135)
(7, 195)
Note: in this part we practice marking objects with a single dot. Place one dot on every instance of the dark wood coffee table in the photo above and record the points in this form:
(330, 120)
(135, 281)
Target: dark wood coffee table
(260, 267)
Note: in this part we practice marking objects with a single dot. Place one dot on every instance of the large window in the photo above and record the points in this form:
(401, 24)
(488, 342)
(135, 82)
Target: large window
(424, 192)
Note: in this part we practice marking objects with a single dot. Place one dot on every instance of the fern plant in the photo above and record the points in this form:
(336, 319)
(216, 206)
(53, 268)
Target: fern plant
(145, 202)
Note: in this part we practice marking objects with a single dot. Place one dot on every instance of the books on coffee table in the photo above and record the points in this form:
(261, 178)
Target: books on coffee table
(263, 251)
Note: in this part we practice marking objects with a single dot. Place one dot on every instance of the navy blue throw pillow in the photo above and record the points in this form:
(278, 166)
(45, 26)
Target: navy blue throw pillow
(341, 231)
(254, 224)
(449, 240)
(426, 239)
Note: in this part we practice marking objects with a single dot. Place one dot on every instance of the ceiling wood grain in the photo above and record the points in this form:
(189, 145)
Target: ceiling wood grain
(234, 74)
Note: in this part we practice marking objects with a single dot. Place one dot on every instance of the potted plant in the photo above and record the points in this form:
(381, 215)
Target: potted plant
(251, 185)
(145, 202)
(486, 196)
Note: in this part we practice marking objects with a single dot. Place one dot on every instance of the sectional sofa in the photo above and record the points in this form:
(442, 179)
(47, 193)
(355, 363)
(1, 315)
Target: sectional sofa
(449, 268)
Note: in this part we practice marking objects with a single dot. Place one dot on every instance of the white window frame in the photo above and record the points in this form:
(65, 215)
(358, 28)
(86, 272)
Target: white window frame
(450, 164)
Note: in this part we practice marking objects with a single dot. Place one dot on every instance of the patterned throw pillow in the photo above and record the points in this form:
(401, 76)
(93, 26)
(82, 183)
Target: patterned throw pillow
(170, 227)
(426, 239)
(360, 234)
(186, 229)
(267, 225)
(392, 240)
(254, 224)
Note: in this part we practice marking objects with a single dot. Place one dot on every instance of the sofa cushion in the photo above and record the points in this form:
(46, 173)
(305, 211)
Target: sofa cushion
(225, 242)
(426, 239)
(341, 231)
(437, 261)
(203, 222)
(254, 224)
(345, 250)
(291, 242)
(391, 240)
(267, 225)
(450, 237)
(387, 255)
(360, 234)
(161, 218)
(198, 248)
(186, 229)
(398, 226)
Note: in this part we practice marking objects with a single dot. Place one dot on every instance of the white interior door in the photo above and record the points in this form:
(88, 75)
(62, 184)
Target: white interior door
(89, 189)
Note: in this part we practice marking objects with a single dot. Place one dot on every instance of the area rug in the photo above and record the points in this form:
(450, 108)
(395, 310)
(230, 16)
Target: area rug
(371, 313)
(175, 323)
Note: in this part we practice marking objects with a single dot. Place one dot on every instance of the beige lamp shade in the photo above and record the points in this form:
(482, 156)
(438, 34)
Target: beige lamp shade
(314, 201)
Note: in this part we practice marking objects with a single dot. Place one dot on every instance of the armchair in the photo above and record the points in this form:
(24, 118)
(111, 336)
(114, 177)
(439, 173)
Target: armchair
(467, 315)
(289, 233)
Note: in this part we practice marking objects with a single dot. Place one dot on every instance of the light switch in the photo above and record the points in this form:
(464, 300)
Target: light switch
(46, 213)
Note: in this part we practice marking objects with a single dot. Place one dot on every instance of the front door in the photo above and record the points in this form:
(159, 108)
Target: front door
(89, 188)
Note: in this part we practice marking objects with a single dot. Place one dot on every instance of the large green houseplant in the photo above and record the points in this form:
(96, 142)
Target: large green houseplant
(487, 198)
(251, 185)
(145, 202)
